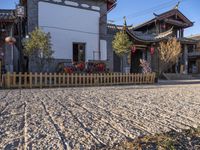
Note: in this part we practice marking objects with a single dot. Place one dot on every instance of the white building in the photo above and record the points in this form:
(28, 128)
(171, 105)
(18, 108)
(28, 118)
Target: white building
(78, 28)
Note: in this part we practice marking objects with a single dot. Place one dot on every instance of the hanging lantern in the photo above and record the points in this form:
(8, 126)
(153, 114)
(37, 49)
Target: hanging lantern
(10, 40)
(133, 49)
(164, 26)
(2, 54)
(152, 50)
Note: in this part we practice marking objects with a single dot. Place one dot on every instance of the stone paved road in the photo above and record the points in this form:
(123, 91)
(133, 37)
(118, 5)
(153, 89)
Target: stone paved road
(93, 118)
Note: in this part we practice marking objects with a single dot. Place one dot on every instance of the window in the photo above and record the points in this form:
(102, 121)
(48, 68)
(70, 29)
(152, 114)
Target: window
(79, 52)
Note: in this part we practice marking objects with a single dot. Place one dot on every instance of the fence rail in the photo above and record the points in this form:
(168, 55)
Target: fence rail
(35, 80)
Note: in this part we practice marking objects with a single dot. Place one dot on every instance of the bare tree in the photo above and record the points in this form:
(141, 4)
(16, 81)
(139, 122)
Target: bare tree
(169, 53)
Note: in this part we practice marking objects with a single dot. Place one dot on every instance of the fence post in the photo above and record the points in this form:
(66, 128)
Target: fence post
(45, 79)
(35, 79)
(90, 79)
(50, 79)
(67, 80)
(55, 79)
(75, 79)
(83, 79)
(14, 79)
(40, 80)
(25, 80)
(20, 80)
(100, 79)
(154, 76)
(30, 80)
(8, 80)
(72, 79)
(114, 78)
(110, 78)
(95, 79)
(87, 79)
(63, 79)
(59, 79)
(80, 79)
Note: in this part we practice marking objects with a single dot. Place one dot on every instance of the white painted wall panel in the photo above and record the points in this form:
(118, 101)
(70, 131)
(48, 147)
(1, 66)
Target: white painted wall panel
(103, 48)
(67, 25)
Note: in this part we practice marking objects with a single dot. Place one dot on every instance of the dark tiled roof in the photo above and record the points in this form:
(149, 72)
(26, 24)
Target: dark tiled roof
(196, 37)
(6, 15)
(140, 36)
(187, 23)
(147, 37)
(187, 40)
(112, 28)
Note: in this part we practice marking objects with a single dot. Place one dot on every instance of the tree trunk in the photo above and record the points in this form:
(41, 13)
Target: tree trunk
(122, 66)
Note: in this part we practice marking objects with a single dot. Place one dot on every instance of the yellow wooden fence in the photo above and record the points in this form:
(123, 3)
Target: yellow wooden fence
(43, 80)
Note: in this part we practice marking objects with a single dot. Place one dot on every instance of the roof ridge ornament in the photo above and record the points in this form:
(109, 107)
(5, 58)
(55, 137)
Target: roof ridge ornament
(177, 5)
(125, 23)
(156, 15)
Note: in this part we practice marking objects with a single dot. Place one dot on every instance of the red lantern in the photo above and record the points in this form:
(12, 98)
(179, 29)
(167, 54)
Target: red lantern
(133, 49)
(163, 26)
(10, 40)
(152, 50)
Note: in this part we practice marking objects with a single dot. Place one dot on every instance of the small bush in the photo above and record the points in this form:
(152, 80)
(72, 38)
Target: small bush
(185, 140)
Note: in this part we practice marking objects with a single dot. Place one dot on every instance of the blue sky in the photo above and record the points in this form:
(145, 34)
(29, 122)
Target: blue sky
(138, 11)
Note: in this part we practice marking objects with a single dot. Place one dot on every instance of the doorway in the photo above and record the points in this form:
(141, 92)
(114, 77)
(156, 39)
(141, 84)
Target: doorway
(135, 61)
(79, 52)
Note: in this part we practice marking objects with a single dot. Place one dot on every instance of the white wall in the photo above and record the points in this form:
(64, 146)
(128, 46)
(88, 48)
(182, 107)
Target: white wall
(67, 25)
(103, 48)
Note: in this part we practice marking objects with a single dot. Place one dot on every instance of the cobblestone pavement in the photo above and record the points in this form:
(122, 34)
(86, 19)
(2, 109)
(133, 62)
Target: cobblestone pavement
(93, 117)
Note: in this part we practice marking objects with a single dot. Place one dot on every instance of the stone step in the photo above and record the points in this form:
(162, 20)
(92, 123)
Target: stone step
(174, 76)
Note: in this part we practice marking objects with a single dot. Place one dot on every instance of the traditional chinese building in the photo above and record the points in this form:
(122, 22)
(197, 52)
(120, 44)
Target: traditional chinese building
(194, 56)
(80, 32)
(146, 38)
(78, 29)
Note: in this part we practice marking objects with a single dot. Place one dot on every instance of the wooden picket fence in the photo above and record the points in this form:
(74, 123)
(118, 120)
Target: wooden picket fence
(44, 80)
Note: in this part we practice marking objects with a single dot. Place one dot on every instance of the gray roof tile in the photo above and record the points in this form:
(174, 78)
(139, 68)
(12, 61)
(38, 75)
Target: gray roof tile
(7, 15)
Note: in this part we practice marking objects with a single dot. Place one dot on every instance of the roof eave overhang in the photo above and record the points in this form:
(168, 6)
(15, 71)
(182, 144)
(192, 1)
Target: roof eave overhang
(140, 40)
(7, 20)
(179, 24)
(163, 16)
(111, 4)
(158, 38)
(187, 42)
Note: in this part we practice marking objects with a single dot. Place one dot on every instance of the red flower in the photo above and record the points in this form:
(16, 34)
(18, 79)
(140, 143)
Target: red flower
(68, 70)
(101, 67)
(80, 66)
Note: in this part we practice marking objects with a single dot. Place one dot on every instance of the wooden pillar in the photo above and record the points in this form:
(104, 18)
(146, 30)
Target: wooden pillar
(185, 59)
(182, 32)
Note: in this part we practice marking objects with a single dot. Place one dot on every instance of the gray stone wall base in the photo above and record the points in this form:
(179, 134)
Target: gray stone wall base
(51, 66)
